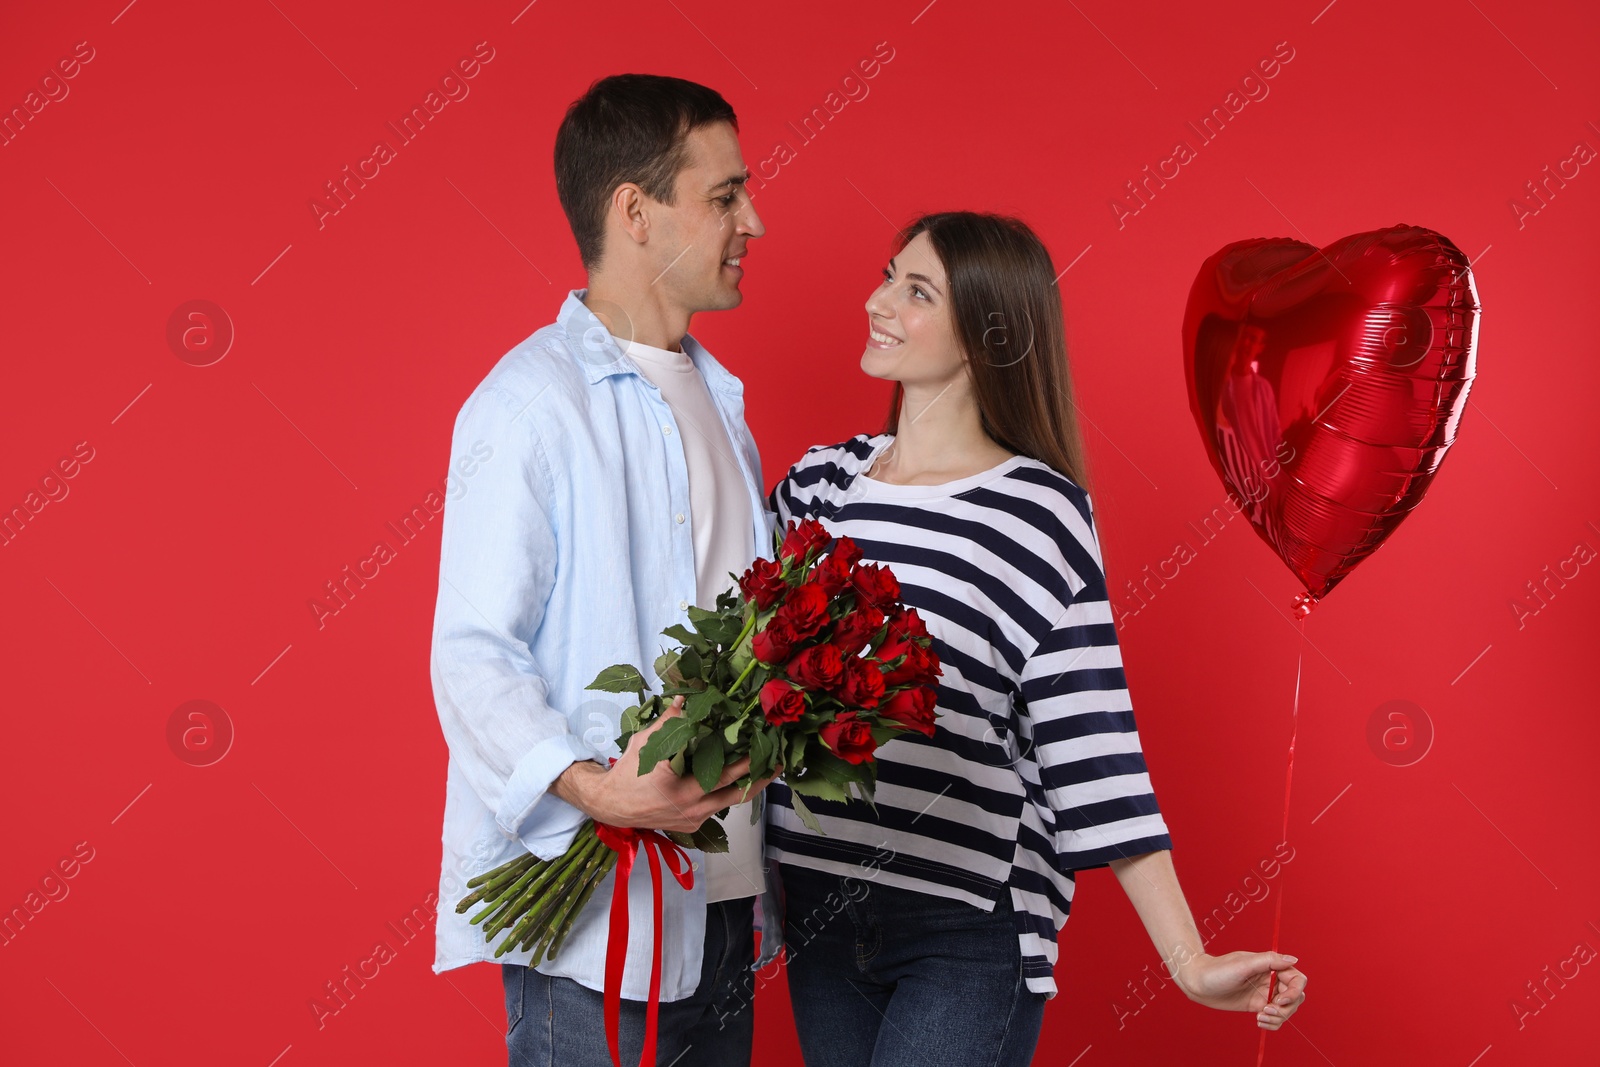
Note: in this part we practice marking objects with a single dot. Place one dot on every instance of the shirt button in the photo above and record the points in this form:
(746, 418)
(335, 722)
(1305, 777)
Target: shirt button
(667, 430)
(679, 517)
(683, 605)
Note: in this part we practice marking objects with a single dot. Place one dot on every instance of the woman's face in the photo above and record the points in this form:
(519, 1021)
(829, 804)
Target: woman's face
(911, 336)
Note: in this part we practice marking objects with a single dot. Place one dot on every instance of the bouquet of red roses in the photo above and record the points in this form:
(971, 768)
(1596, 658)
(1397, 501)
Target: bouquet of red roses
(811, 665)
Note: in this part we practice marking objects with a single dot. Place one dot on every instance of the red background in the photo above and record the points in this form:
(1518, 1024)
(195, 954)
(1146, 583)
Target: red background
(1421, 899)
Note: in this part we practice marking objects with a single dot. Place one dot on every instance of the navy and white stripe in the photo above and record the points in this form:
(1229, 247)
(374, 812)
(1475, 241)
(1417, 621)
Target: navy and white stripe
(1035, 768)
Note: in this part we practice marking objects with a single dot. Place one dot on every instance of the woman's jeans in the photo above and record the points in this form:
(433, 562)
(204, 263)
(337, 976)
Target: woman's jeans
(557, 1022)
(883, 976)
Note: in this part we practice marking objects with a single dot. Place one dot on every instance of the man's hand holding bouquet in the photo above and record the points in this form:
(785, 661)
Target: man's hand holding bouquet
(806, 669)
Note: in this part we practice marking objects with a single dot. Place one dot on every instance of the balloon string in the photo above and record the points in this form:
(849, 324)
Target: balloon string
(1288, 780)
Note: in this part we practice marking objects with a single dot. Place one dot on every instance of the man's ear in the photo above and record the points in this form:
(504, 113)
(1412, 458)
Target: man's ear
(630, 207)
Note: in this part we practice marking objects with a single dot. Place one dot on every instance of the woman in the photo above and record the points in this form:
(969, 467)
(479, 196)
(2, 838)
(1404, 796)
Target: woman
(923, 930)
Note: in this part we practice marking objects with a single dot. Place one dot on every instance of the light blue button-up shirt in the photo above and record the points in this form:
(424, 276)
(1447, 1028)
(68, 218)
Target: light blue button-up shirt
(566, 547)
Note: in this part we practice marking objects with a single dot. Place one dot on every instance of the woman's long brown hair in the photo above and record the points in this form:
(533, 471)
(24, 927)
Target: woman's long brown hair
(1006, 312)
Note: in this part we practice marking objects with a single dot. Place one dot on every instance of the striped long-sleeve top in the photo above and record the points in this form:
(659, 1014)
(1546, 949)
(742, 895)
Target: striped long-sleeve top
(1034, 770)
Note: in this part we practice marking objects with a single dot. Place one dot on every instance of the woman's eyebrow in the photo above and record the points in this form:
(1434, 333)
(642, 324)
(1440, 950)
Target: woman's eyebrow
(921, 278)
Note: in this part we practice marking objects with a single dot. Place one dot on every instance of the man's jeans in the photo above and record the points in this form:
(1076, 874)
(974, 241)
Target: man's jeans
(885, 977)
(556, 1022)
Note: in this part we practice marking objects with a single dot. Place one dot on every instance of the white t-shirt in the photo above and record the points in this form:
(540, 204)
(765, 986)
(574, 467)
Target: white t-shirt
(719, 508)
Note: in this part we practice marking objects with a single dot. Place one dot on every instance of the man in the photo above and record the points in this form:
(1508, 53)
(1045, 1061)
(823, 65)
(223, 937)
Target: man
(615, 483)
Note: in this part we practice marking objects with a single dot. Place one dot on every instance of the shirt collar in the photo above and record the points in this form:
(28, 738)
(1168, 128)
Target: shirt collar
(594, 347)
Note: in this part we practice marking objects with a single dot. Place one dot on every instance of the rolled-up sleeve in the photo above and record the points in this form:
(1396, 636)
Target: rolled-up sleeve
(497, 565)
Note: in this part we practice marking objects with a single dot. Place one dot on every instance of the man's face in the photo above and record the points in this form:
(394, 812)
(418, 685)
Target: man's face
(711, 223)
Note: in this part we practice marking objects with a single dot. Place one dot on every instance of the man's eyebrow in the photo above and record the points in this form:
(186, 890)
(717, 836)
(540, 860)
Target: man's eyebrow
(921, 278)
(737, 179)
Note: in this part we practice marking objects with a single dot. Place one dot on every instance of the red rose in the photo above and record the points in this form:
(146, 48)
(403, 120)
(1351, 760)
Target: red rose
(763, 583)
(805, 611)
(906, 621)
(831, 575)
(920, 667)
(895, 644)
(856, 629)
(912, 708)
(802, 539)
(781, 702)
(862, 685)
(774, 641)
(905, 629)
(846, 552)
(818, 667)
(876, 585)
(849, 738)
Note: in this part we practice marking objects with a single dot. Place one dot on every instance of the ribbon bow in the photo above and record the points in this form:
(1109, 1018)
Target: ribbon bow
(626, 841)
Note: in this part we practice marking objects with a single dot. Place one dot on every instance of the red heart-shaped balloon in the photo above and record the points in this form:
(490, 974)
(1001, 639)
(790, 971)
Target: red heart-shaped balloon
(1329, 384)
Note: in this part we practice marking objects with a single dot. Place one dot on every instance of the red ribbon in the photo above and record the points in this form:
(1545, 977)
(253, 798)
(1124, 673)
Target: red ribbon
(1288, 781)
(626, 841)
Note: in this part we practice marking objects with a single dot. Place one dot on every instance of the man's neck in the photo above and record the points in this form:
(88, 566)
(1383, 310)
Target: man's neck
(636, 312)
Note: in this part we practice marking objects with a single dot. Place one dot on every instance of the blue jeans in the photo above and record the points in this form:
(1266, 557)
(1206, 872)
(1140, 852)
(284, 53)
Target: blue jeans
(557, 1022)
(885, 977)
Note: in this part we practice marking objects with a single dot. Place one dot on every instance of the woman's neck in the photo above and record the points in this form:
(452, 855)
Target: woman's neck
(939, 438)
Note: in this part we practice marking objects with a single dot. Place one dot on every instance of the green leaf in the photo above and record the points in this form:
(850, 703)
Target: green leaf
(689, 664)
(866, 791)
(619, 678)
(711, 837)
(797, 751)
(666, 743)
(715, 627)
(731, 734)
(687, 638)
(724, 631)
(815, 785)
(760, 754)
(804, 812)
(631, 720)
(831, 767)
(709, 762)
(698, 705)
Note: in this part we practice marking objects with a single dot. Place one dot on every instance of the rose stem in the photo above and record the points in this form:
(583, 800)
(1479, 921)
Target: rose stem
(530, 910)
(579, 889)
(506, 895)
(516, 871)
(598, 876)
(519, 901)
